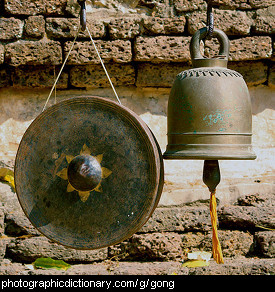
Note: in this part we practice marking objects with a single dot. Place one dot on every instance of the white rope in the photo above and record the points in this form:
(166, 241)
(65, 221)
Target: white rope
(101, 61)
(65, 61)
(58, 76)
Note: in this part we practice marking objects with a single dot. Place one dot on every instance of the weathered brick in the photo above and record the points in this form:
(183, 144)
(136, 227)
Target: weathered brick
(246, 218)
(189, 5)
(243, 49)
(229, 21)
(38, 76)
(242, 4)
(55, 7)
(158, 75)
(118, 51)
(124, 28)
(30, 249)
(2, 221)
(35, 26)
(93, 76)
(250, 48)
(30, 7)
(253, 72)
(5, 77)
(165, 26)
(178, 219)
(264, 244)
(264, 20)
(261, 3)
(155, 246)
(232, 4)
(33, 53)
(162, 49)
(233, 242)
(167, 246)
(11, 28)
(162, 8)
(67, 28)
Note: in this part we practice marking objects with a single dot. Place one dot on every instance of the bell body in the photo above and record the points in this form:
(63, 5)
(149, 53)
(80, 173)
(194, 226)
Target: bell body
(209, 114)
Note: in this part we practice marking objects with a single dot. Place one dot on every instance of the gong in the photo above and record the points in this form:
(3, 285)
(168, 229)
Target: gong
(88, 173)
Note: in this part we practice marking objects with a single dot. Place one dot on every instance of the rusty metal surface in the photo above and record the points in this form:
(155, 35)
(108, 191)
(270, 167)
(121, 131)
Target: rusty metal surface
(122, 190)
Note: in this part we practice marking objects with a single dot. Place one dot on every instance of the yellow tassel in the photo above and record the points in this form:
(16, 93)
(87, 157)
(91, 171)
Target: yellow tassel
(216, 247)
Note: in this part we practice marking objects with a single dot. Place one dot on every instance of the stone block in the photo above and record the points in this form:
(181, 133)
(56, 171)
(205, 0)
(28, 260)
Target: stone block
(229, 4)
(253, 72)
(264, 21)
(158, 75)
(30, 7)
(168, 246)
(234, 243)
(242, 4)
(124, 28)
(164, 26)
(38, 76)
(33, 53)
(55, 7)
(11, 28)
(17, 224)
(9, 268)
(29, 249)
(243, 49)
(189, 5)
(35, 26)
(93, 76)
(178, 219)
(256, 4)
(5, 77)
(152, 247)
(246, 218)
(162, 8)
(162, 49)
(2, 221)
(67, 28)
(237, 266)
(118, 51)
(250, 48)
(231, 22)
(264, 244)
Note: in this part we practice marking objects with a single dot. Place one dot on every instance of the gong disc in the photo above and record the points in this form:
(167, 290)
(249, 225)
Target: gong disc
(88, 173)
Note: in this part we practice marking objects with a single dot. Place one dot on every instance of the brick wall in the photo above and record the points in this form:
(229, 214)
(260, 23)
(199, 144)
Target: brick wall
(144, 49)
(144, 46)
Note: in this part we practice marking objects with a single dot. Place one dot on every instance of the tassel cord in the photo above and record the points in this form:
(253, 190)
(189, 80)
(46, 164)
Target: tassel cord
(216, 246)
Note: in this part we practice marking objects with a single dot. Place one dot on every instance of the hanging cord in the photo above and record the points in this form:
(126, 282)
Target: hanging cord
(82, 27)
(54, 76)
(216, 246)
(59, 74)
(101, 61)
(212, 177)
(210, 20)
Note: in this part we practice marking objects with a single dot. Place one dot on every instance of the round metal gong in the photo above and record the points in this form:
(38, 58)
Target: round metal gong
(88, 173)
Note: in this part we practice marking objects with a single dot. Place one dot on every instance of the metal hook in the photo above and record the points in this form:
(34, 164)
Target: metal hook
(83, 19)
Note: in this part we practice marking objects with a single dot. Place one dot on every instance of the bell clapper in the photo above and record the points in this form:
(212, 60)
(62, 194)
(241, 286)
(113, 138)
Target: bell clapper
(211, 177)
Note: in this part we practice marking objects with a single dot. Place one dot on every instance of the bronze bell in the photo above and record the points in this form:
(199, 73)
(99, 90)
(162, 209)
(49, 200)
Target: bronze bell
(209, 108)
